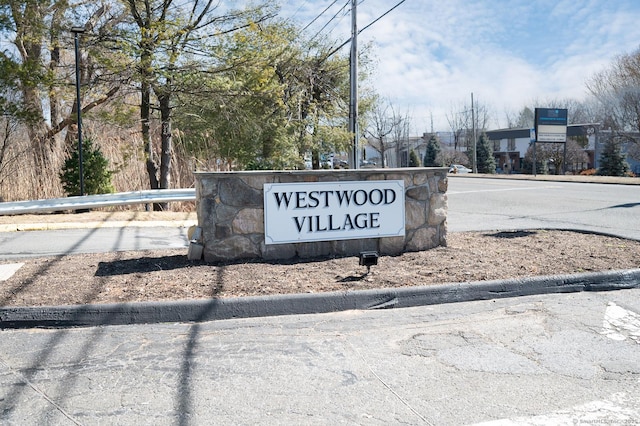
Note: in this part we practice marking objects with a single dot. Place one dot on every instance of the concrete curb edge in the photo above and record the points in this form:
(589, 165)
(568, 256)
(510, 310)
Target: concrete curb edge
(104, 224)
(297, 304)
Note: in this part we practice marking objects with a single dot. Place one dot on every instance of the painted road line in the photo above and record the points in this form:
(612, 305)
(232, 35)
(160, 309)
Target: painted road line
(620, 323)
(7, 270)
(620, 408)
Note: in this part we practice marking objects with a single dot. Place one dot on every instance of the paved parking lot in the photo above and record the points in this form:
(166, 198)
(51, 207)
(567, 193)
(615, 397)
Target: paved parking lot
(552, 359)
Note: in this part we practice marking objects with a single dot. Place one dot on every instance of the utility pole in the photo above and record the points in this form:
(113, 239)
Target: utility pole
(475, 150)
(354, 157)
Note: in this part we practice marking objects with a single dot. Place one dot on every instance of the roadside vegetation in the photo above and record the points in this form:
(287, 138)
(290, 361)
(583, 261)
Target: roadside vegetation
(168, 89)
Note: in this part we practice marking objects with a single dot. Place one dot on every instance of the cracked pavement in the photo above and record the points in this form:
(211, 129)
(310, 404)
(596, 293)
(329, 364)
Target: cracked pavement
(559, 358)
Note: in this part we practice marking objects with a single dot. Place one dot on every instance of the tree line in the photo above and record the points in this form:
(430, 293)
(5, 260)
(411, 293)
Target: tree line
(171, 87)
(216, 86)
(611, 109)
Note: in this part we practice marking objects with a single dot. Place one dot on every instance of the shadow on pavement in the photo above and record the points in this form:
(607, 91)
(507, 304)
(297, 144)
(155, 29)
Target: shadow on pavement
(511, 234)
(143, 265)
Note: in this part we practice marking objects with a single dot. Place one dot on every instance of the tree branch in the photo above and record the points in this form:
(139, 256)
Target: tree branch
(73, 119)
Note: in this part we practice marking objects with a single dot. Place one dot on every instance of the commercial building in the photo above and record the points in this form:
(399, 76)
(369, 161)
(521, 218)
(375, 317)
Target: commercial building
(509, 148)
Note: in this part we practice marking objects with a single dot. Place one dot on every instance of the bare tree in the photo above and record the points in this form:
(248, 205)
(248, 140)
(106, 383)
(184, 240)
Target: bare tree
(8, 156)
(522, 119)
(454, 157)
(400, 135)
(617, 88)
(461, 121)
(383, 122)
(552, 155)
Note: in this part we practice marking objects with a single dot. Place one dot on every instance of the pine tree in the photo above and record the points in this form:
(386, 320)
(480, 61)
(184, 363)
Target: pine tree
(414, 161)
(96, 174)
(432, 156)
(612, 162)
(484, 155)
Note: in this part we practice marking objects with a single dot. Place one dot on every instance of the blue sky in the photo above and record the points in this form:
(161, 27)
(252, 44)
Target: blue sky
(432, 54)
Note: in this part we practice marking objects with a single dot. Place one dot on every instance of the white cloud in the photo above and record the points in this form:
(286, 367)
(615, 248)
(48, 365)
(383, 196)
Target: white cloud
(432, 54)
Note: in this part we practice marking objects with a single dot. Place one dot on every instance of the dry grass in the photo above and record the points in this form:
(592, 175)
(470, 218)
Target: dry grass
(22, 179)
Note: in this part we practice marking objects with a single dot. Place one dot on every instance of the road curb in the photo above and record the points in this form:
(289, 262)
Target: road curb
(606, 180)
(55, 226)
(297, 304)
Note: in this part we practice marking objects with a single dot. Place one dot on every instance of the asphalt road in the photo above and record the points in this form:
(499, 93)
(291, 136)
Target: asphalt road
(17, 245)
(477, 204)
(562, 359)
(545, 359)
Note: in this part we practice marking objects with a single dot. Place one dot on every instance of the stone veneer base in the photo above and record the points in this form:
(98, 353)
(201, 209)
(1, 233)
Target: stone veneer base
(231, 213)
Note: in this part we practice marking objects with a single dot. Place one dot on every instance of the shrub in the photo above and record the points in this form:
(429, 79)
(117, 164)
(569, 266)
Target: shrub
(414, 161)
(97, 176)
(612, 162)
(432, 154)
(484, 155)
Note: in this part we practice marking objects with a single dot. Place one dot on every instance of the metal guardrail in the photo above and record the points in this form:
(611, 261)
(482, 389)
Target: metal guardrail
(96, 201)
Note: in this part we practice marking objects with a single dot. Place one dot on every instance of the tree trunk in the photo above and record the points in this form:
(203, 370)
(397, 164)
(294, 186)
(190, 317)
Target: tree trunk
(166, 144)
(145, 116)
(315, 159)
(383, 150)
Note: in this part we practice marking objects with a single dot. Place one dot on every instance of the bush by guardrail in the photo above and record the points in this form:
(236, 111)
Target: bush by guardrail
(97, 201)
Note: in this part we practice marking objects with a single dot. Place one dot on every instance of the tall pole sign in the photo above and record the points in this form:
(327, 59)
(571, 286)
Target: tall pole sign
(475, 139)
(550, 126)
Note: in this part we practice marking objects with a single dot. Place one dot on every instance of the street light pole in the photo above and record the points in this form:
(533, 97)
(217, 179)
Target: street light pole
(475, 141)
(76, 31)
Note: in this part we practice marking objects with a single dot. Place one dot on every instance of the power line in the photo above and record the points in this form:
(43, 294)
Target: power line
(332, 18)
(317, 17)
(361, 30)
(382, 16)
(300, 8)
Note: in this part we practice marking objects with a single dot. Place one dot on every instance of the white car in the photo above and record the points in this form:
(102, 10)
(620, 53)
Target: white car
(458, 168)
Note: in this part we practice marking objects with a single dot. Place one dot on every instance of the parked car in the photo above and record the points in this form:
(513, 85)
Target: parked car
(458, 168)
(340, 164)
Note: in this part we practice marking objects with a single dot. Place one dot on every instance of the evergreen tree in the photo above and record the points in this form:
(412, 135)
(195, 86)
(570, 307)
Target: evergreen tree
(96, 174)
(432, 156)
(612, 162)
(414, 161)
(484, 155)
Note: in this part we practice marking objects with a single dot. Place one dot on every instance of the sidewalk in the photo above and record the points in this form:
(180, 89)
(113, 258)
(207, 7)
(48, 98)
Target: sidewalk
(96, 219)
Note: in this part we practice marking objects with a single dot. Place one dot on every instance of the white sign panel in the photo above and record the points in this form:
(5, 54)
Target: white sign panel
(552, 133)
(326, 211)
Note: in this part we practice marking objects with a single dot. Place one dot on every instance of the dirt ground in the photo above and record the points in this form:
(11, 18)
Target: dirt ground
(169, 275)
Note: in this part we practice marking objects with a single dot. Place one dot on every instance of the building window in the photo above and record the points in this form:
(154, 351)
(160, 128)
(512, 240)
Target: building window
(511, 145)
